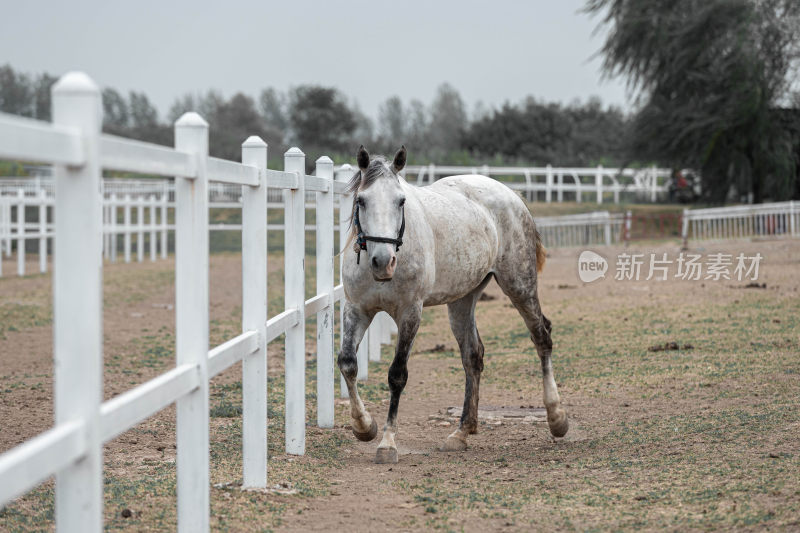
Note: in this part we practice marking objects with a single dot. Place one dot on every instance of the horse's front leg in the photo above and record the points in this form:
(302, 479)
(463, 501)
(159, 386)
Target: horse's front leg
(355, 324)
(398, 375)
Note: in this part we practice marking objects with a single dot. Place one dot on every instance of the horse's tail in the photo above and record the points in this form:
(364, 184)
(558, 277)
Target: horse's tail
(541, 253)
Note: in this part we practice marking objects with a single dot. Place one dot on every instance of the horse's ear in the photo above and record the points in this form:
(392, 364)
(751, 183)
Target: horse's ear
(399, 159)
(363, 158)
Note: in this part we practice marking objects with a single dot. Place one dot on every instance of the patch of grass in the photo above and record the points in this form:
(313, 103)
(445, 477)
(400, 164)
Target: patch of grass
(226, 409)
(17, 316)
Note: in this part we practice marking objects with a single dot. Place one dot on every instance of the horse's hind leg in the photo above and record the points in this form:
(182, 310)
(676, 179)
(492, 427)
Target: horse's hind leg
(407, 326)
(353, 328)
(522, 290)
(462, 322)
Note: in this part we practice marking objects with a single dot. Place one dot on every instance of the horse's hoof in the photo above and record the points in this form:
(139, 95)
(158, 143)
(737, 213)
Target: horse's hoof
(453, 444)
(367, 435)
(559, 424)
(386, 456)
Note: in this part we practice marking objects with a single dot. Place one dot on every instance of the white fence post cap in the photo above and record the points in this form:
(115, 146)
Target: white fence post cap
(324, 160)
(191, 119)
(75, 82)
(254, 140)
(294, 151)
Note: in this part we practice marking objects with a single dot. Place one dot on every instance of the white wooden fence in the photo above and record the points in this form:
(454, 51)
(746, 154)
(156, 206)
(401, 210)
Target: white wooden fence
(742, 221)
(136, 216)
(585, 229)
(646, 184)
(72, 449)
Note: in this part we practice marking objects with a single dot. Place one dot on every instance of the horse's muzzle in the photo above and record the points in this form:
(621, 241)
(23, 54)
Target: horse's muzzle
(383, 265)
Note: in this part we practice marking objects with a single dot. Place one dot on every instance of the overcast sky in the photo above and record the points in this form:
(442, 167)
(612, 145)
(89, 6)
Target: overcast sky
(491, 51)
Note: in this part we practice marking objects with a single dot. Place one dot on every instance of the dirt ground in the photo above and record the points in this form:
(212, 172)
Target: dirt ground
(700, 437)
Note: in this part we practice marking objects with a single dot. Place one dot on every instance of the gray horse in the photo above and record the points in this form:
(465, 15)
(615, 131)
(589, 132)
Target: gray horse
(433, 245)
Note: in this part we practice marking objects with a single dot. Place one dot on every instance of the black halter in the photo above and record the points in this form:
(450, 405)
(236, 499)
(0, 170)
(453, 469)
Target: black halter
(361, 238)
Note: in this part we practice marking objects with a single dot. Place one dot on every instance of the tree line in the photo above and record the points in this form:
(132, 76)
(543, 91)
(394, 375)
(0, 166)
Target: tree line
(322, 120)
(716, 88)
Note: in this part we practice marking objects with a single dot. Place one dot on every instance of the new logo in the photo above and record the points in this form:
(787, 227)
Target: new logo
(591, 266)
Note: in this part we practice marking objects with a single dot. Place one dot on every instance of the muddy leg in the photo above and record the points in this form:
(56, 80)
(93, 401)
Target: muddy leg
(398, 375)
(355, 324)
(462, 322)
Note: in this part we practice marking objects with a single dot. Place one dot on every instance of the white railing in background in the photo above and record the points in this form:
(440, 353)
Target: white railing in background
(72, 449)
(742, 221)
(647, 183)
(585, 229)
(218, 192)
(136, 213)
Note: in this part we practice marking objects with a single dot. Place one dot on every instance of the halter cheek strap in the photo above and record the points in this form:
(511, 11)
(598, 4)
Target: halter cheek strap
(362, 238)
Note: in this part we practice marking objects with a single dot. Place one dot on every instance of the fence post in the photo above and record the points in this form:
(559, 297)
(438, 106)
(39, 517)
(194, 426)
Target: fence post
(529, 192)
(607, 228)
(792, 214)
(42, 231)
(386, 327)
(685, 228)
(78, 303)
(254, 317)
(126, 221)
(345, 205)
(560, 190)
(598, 183)
(345, 202)
(20, 232)
(628, 217)
(325, 254)
(106, 247)
(548, 190)
(294, 212)
(374, 340)
(164, 240)
(191, 324)
(653, 183)
(140, 227)
(113, 218)
(152, 223)
(7, 223)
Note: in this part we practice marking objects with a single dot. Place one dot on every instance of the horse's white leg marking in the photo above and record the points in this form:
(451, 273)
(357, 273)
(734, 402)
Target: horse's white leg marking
(540, 334)
(551, 397)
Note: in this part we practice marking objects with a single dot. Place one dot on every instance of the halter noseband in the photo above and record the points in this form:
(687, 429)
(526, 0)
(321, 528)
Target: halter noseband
(362, 238)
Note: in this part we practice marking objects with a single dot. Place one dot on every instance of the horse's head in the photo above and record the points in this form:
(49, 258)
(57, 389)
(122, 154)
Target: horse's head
(378, 209)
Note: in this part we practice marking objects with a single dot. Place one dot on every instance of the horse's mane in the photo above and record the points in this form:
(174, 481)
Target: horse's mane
(362, 180)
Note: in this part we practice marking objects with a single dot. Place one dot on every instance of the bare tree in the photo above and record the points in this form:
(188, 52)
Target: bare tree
(448, 119)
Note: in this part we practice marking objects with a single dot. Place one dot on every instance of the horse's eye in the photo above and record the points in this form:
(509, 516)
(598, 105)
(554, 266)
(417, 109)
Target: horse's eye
(402, 202)
(360, 201)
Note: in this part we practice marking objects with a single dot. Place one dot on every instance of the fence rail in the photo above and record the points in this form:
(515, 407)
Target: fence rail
(136, 215)
(585, 229)
(72, 449)
(648, 183)
(743, 221)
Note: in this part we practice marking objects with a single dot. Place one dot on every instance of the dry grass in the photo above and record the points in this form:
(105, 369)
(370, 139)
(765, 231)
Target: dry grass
(704, 438)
